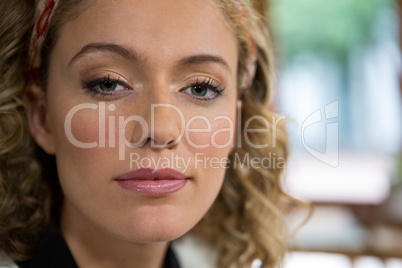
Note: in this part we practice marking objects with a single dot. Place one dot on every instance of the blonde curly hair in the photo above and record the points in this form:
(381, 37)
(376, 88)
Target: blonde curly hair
(246, 221)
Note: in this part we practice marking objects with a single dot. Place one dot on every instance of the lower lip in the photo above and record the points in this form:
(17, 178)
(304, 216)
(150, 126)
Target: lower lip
(153, 187)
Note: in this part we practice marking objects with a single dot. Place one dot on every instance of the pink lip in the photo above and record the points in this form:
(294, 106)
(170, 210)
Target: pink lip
(151, 181)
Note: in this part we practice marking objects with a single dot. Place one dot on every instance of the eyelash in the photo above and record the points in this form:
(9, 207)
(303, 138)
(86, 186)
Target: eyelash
(90, 85)
(209, 83)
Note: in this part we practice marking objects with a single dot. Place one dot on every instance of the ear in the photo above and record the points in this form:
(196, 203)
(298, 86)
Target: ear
(37, 114)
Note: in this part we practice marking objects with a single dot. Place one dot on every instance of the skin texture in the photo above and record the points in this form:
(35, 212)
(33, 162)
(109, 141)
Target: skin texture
(103, 223)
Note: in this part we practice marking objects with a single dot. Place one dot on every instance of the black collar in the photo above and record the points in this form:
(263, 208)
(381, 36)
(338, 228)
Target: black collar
(53, 252)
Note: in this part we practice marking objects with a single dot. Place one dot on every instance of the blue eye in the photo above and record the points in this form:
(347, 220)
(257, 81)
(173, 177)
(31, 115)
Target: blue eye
(105, 85)
(205, 90)
(108, 86)
(199, 90)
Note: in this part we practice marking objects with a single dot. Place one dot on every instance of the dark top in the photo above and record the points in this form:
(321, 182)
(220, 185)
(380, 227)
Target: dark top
(53, 252)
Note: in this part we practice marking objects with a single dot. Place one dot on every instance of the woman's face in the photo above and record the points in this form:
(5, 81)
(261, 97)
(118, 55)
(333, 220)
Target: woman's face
(110, 69)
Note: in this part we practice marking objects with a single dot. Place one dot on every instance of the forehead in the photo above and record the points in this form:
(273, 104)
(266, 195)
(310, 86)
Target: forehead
(165, 29)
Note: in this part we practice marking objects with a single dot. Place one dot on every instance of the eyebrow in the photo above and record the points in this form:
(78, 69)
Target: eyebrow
(131, 54)
(125, 52)
(203, 58)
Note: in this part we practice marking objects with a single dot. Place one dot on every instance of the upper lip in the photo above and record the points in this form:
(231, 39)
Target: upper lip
(152, 174)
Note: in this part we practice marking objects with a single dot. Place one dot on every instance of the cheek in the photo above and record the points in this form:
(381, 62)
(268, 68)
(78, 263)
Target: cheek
(84, 127)
(215, 134)
(77, 139)
(223, 133)
(212, 136)
(211, 161)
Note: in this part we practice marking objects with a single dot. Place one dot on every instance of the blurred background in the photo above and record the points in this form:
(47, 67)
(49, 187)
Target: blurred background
(339, 68)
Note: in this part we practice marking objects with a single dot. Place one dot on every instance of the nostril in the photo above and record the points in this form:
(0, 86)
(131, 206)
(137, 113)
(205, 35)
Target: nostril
(146, 141)
(153, 144)
(170, 144)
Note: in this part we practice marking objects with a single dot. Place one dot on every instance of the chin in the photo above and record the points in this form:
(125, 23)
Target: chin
(157, 237)
(149, 235)
(156, 230)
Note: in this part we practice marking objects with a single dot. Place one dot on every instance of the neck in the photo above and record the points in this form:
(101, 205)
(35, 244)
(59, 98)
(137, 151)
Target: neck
(92, 247)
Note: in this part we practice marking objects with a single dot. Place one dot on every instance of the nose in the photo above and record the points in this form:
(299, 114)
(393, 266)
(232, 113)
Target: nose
(165, 124)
